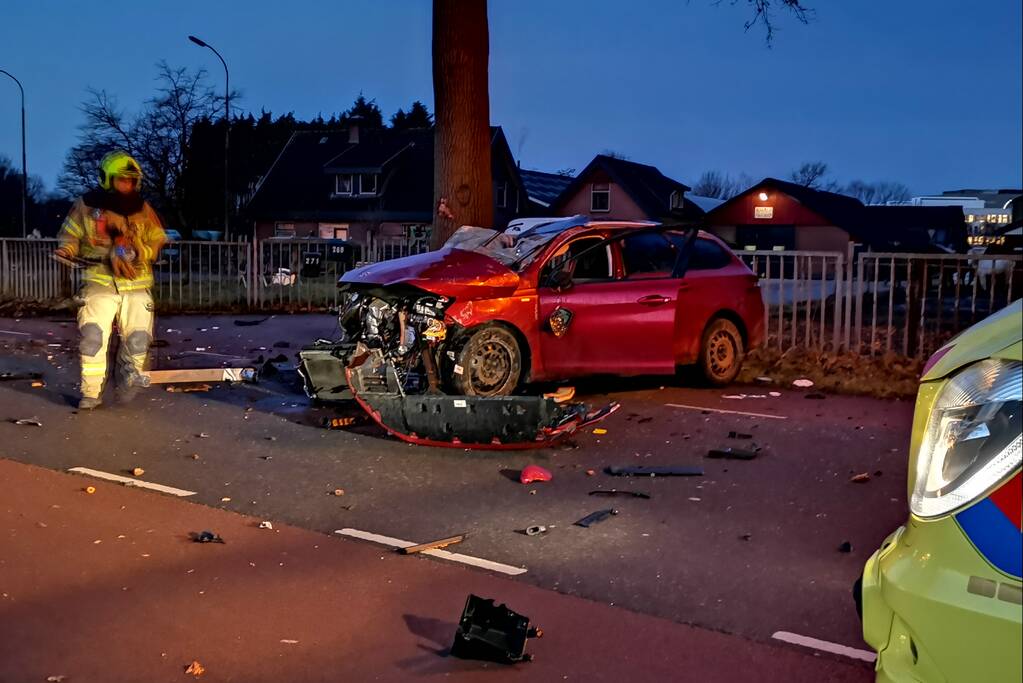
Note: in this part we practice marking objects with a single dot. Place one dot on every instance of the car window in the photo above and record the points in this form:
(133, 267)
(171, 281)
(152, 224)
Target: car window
(708, 255)
(648, 255)
(586, 262)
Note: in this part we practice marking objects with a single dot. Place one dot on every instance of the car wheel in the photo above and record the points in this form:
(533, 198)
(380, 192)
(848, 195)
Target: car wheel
(721, 353)
(488, 363)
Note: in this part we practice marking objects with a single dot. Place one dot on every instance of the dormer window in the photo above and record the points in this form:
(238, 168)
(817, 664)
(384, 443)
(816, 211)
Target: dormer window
(368, 183)
(343, 184)
(600, 197)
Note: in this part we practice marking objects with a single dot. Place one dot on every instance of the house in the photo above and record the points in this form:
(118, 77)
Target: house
(361, 182)
(542, 189)
(610, 188)
(778, 215)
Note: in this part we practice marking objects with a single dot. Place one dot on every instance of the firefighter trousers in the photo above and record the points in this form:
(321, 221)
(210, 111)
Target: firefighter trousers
(133, 312)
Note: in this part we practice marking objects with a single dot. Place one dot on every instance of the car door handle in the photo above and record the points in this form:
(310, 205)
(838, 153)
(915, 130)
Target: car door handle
(653, 300)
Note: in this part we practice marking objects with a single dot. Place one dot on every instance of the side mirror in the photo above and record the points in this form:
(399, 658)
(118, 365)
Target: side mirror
(561, 281)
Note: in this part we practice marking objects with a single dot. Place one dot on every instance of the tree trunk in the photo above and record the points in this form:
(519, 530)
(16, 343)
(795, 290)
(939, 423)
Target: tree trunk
(462, 183)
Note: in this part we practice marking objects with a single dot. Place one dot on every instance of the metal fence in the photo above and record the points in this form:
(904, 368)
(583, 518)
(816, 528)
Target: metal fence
(871, 303)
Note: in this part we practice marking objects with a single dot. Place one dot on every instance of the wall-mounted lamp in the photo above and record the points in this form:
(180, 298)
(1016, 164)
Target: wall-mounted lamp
(763, 196)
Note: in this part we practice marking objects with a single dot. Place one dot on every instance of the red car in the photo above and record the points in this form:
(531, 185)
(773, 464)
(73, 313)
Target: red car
(553, 299)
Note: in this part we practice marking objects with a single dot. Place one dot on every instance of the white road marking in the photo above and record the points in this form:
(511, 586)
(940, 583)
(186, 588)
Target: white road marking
(729, 412)
(825, 646)
(20, 334)
(443, 554)
(129, 481)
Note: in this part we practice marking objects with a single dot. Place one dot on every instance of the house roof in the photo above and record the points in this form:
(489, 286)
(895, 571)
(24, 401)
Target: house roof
(646, 185)
(300, 184)
(544, 188)
(883, 228)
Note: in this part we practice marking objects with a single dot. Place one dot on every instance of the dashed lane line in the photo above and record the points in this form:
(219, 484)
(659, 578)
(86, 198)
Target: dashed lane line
(442, 554)
(130, 481)
(825, 646)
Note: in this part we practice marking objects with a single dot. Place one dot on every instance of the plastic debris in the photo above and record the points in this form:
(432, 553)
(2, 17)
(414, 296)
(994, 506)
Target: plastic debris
(803, 383)
(641, 471)
(29, 422)
(615, 492)
(746, 537)
(90, 489)
(846, 547)
(731, 454)
(600, 431)
(195, 669)
(288, 641)
(774, 394)
(860, 478)
(249, 323)
(56, 679)
(590, 473)
(203, 435)
(596, 517)
(207, 537)
(531, 473)
(337, 492)
(266, 525)
(225, 499)
(739, 435)
(137, 472)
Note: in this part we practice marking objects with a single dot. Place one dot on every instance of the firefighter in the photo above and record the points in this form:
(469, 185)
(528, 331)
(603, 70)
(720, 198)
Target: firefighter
(116, 235)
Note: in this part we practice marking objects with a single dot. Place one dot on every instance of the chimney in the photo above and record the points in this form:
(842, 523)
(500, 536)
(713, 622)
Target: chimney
(353, 129)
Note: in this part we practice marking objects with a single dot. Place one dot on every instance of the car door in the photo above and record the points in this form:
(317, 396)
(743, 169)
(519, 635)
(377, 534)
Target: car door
(621, 324)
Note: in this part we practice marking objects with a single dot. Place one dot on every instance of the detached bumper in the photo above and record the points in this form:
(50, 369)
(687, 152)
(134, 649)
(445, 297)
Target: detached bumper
(935, 611)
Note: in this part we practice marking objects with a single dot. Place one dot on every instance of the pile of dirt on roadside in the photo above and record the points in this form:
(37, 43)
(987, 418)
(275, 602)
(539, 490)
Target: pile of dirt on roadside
(30, 308)
(888, 376)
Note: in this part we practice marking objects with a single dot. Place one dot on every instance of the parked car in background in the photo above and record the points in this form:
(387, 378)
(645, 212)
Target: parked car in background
(561, 298)
(942, 599)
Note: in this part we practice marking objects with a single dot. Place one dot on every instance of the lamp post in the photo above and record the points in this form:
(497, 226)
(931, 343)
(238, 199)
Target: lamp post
(227, 131)
(24, 173)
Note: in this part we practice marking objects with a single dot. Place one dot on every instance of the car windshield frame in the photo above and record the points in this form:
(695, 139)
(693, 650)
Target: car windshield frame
(524, 249)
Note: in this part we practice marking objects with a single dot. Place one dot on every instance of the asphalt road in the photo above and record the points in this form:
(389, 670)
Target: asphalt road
(750, 548)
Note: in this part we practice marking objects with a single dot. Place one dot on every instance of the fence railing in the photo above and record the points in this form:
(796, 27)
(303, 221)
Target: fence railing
(870, 303)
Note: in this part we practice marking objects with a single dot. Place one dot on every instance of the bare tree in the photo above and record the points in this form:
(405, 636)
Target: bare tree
(764, 14)
(889, 192)
(810, 174)
(721, 185)
(462, 175)
(158, 136)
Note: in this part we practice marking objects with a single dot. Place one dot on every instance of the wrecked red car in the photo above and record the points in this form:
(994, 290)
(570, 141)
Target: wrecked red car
(547, 299)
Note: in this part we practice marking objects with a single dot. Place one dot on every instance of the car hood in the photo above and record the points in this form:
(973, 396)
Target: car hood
(998, 336)
(454, 273)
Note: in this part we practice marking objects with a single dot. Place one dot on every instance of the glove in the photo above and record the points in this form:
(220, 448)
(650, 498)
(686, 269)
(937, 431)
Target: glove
(121, 263)
(63, 252)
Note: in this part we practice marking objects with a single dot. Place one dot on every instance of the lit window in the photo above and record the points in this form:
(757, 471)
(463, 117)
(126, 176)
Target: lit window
(284, 230)
(343, 184)
(969, 218)
(600, 197)
(368, 183)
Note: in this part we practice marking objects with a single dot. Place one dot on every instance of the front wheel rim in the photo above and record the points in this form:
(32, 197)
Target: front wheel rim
(722, 353)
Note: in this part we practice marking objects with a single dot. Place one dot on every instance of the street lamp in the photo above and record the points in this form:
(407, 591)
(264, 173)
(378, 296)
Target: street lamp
(227, 129)
(24, 173)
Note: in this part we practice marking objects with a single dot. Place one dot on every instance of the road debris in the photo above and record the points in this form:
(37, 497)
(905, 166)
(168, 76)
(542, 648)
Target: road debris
(561, 395)
(745, 537)
(615, 492)
(288, 641)
(846, 547)
(194, 456)
(731, 454)
(56, 679)
(803, 383)
(535, 530)
(339, 422)
(195, 669)
(225, 499)
(250, 323)
(137, 472)
(817, 396)
(432, 545)
(600, 431)
(642, 471)
(774, 394)
(337, 492)
(492, 633)
(28, 422)
(16, 376)
(739, 435)
(188, 389)
(206, 537)
(266, 525)
(531, 473)
(861, 478)
(90, 489)
(764, 380)
(590, 473)
(596, 517)
(203, 435)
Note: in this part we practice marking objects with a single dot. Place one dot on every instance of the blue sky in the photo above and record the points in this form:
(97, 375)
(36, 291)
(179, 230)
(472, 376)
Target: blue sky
(927, 93)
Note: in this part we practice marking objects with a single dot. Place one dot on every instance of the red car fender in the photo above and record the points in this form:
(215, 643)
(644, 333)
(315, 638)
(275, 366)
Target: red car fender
(518, 312)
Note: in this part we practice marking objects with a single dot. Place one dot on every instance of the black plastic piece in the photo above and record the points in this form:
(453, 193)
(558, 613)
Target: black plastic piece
(731, 454)
(615, 492)
(596, 517)
(640, 471)
(492, 633)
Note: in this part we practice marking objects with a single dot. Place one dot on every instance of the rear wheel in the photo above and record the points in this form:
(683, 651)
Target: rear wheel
(487, 363)
(721, 352)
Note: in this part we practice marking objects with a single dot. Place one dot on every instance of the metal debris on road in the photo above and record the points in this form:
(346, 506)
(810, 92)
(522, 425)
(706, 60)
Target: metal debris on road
(739, 435)
(531, 473)
(616, 492)
(860, 478)
(642, 471)
(28, 422)
(266, 525)
(731, 454)
(535, 530)
(195, 669)
(432, 545)
(337, 492)
(207, 537)
(596, 517)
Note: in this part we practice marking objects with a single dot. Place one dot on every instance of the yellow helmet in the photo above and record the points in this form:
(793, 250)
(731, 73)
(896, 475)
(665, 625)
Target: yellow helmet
(118, 163)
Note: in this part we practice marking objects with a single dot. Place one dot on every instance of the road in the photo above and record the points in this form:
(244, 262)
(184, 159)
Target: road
(749, 549)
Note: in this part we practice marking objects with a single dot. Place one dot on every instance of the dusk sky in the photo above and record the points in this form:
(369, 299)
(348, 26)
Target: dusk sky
(926, 93)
